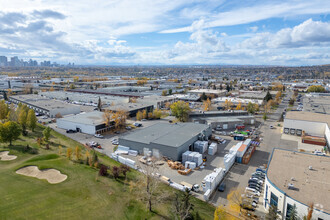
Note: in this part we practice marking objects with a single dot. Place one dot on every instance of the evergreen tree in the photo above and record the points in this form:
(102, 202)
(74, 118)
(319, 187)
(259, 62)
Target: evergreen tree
(268, 97)
(293, 214)
(99, 104)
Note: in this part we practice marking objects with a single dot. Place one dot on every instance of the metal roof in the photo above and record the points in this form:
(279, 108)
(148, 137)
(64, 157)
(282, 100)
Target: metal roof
(173, 135)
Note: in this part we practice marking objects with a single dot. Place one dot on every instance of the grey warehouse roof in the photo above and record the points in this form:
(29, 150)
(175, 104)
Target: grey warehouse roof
(90, 118)
(173, 135)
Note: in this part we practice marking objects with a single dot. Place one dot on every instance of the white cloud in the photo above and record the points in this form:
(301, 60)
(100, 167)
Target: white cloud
(305, 34)
(260, 11)
(253, 28)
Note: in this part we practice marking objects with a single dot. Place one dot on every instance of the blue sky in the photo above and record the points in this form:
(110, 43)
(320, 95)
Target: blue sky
(126, 32)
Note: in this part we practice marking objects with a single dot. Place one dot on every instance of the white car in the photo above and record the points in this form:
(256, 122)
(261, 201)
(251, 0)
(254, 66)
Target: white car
(319, 153)
(115, 142)
(98, 136)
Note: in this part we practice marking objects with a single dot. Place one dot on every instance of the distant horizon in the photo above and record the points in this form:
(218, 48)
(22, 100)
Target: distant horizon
(147, 32)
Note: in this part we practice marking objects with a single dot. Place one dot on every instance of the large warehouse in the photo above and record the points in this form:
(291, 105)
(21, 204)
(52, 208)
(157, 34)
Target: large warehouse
(313, 124)
(45, 105)
(294, 178)
(88, 123)
(170, 139)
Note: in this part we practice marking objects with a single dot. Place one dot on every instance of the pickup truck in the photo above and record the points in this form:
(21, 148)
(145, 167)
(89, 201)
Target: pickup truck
(194, 187)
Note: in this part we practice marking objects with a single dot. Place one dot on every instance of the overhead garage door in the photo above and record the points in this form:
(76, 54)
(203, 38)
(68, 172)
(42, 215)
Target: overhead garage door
(225, 126)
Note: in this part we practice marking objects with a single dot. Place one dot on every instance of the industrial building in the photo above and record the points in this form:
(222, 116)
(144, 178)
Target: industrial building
(317, 103)
(130, 108)
(88, 123)
(295, 178)
(85, 99)
(307, 123)
(170, 139)
(226, 122)
(45, 105)
(208, 92)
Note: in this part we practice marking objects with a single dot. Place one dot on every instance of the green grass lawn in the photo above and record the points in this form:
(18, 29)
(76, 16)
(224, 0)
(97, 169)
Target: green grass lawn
(84, 195)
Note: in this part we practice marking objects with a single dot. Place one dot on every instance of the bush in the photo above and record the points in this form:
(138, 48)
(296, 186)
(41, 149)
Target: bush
(103, 170)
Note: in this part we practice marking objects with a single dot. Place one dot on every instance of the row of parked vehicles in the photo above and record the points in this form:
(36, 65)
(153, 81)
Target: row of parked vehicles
(254, 189)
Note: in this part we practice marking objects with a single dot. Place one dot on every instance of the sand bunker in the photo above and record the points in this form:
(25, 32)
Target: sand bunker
(5, 157)
(51, 175)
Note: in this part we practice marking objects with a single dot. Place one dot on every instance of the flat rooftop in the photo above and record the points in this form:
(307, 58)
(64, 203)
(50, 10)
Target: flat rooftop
(90, 118)
(43, 102)
(173, 135)
(308, 116)
(127, 107)
(317, 103)
(312, 185)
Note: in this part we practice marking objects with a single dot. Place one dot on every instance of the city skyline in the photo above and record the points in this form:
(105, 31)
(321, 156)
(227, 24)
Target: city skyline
(160, 32)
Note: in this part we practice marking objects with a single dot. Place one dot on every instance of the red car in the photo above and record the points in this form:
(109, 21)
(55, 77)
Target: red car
(240, 127)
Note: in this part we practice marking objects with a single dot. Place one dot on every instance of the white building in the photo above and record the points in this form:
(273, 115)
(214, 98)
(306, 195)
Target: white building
(88, 123)
(46, 106)
(311, 123)
(294, 178)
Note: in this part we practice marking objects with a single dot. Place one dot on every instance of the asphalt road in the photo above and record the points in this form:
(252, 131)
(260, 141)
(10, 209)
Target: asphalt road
(239, 174)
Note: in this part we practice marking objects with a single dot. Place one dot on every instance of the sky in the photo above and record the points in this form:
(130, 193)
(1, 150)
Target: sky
(169, 32)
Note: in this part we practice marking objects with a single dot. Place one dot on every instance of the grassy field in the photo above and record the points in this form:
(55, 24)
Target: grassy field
(83, 195)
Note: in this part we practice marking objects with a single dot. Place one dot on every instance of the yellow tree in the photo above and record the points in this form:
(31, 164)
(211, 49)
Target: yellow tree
(239, 106)
(235, 200)
(77, 153)
(144, 114)
(69, 153)
(220, 213)
(139, 116)
(227, 105)
(107, 117)
(207, 105)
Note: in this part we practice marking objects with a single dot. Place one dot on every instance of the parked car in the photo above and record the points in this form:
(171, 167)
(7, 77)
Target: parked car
(222, 187)
(144, 119)
(128, 128)
(98, 136)
(319, 153)
(260, 170)
(70, 131)
(136, 124)
(115, 142)
(45, 117)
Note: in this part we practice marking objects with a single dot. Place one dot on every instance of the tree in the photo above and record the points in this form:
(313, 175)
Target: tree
(227, 105)
(239, 106)
(9, 132)
(46, 133)
(182, 207)
(144, 114)
(119, 118)
(170, 91)
(207, 105)
(4, 109)
(310, 212)
(268, 96)
(164, 93)
(265, 117)
(228, 87)
(157, 114)
(107, 117)
(316, 88)
(251, 108)
(77, 153)
(22, 117)
(31, 120)
(115, 172)
(272, 213)
(99, 104)
(5, 96)
(58, 115)
(124, 169)
(72, 86)
(103, 170)
(293, 214)
(235, 200)
(69, 153)
(139, 116)
(180, 110)
(220, 213)
(203, 96)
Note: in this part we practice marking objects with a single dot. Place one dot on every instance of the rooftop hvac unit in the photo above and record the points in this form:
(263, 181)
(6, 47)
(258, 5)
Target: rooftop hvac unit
(291, 186)
(310, 168)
